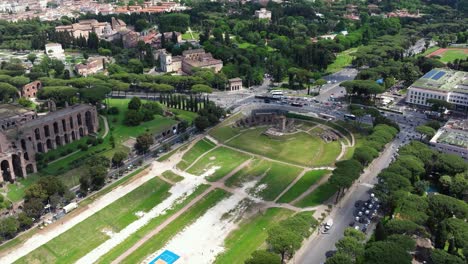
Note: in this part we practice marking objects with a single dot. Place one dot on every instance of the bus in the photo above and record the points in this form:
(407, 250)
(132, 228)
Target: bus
(277, 92)
(349, 117)
(327, 116)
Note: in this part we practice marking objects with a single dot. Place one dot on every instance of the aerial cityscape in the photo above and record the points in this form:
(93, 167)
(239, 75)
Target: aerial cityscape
(232, 132)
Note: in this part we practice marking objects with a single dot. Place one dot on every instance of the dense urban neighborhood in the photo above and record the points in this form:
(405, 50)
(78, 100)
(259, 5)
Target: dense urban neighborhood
(256, 132)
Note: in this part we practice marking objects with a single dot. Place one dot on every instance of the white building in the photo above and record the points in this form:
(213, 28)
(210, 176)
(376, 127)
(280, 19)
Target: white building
(452, 138)
(263, 14)
(54, 50)
(442, 84)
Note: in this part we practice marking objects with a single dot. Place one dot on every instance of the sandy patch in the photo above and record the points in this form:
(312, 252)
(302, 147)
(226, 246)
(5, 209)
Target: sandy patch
(203, 240)
(108, 232)
(179, 192)
(212, 158)
(139, 214)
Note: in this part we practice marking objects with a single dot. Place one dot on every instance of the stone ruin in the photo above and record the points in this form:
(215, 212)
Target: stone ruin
(329, 135)
(280, 125)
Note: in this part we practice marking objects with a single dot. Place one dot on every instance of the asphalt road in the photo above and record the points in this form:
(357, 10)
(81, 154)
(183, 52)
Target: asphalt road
(313, 251)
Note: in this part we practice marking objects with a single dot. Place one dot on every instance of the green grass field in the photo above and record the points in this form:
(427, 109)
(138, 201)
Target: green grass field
(225, 158)
(135, 237)
(122, 132)
(172, 176)
(187, 36)
(320, 195)
(430, 50)
(256, 168)
(451, 55)
(276, 179)
(223, 133)
(176, 226)
(300, 148)
(250, 236)
(342, 60)
(184, 115)
(85, 236)
(196, 151)
(306, 181)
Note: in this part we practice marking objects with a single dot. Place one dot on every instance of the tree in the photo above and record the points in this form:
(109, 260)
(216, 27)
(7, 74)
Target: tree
(350, 246)
(8, 227)
(439, 256)
(365, 154)
(319, 83)
(134, 104)
(201, 123)
(33, 208)
(135, 66)
(201, 88)
(119, 157)
(24, 221)
(358, 235)
(425, 131)
(450, 164)
(263, 257)
(459, 185)
(384, 252)
(31, 57)
(141, 24)
(7, 92)
(404, 241)
(143, 143)
(340, 258)
(19, 81)
(283, 241)
(93, 41)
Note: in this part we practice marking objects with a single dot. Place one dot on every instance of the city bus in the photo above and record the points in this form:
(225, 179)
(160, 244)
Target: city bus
(349, 117)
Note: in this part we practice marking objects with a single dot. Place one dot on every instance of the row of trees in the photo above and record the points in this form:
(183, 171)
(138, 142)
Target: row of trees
(284, 239)
(48, 193)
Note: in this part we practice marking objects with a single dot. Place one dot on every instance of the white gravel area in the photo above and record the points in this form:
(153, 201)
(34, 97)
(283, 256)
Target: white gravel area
(203, 240)
(179, 192)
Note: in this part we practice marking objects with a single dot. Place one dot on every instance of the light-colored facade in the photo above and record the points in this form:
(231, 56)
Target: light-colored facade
(235, 84)
(104, 30)
(55, 50)
(441, 84)
(93, 66)
(31, 134)
(263, 13)
(190, 59)
(452, 138)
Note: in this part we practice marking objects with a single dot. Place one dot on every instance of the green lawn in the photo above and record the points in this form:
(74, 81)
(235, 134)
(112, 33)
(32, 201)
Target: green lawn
(16, 190)
(87, 235)
(26, 235)
(256, 168)
(430, 50)
(122, 132)
(250, 236)
(176, 226)
(225, 132)
(187, 36)
(225, 158)
(342, 60)
(196, 151)
(451, 55)
(300, 148)
(184, 115)
(276, 179)
(306, 181)
(135, 237)
(317, 197)
(170, 175)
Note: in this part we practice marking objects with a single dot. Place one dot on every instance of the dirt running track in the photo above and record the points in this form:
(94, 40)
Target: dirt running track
(442, 50)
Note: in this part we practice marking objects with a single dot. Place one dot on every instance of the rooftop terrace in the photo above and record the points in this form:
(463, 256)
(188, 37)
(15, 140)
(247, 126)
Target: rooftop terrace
(443, 80)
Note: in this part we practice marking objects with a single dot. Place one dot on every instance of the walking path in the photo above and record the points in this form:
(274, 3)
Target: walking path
(54, 230)
(312, 188)
(291, 185)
